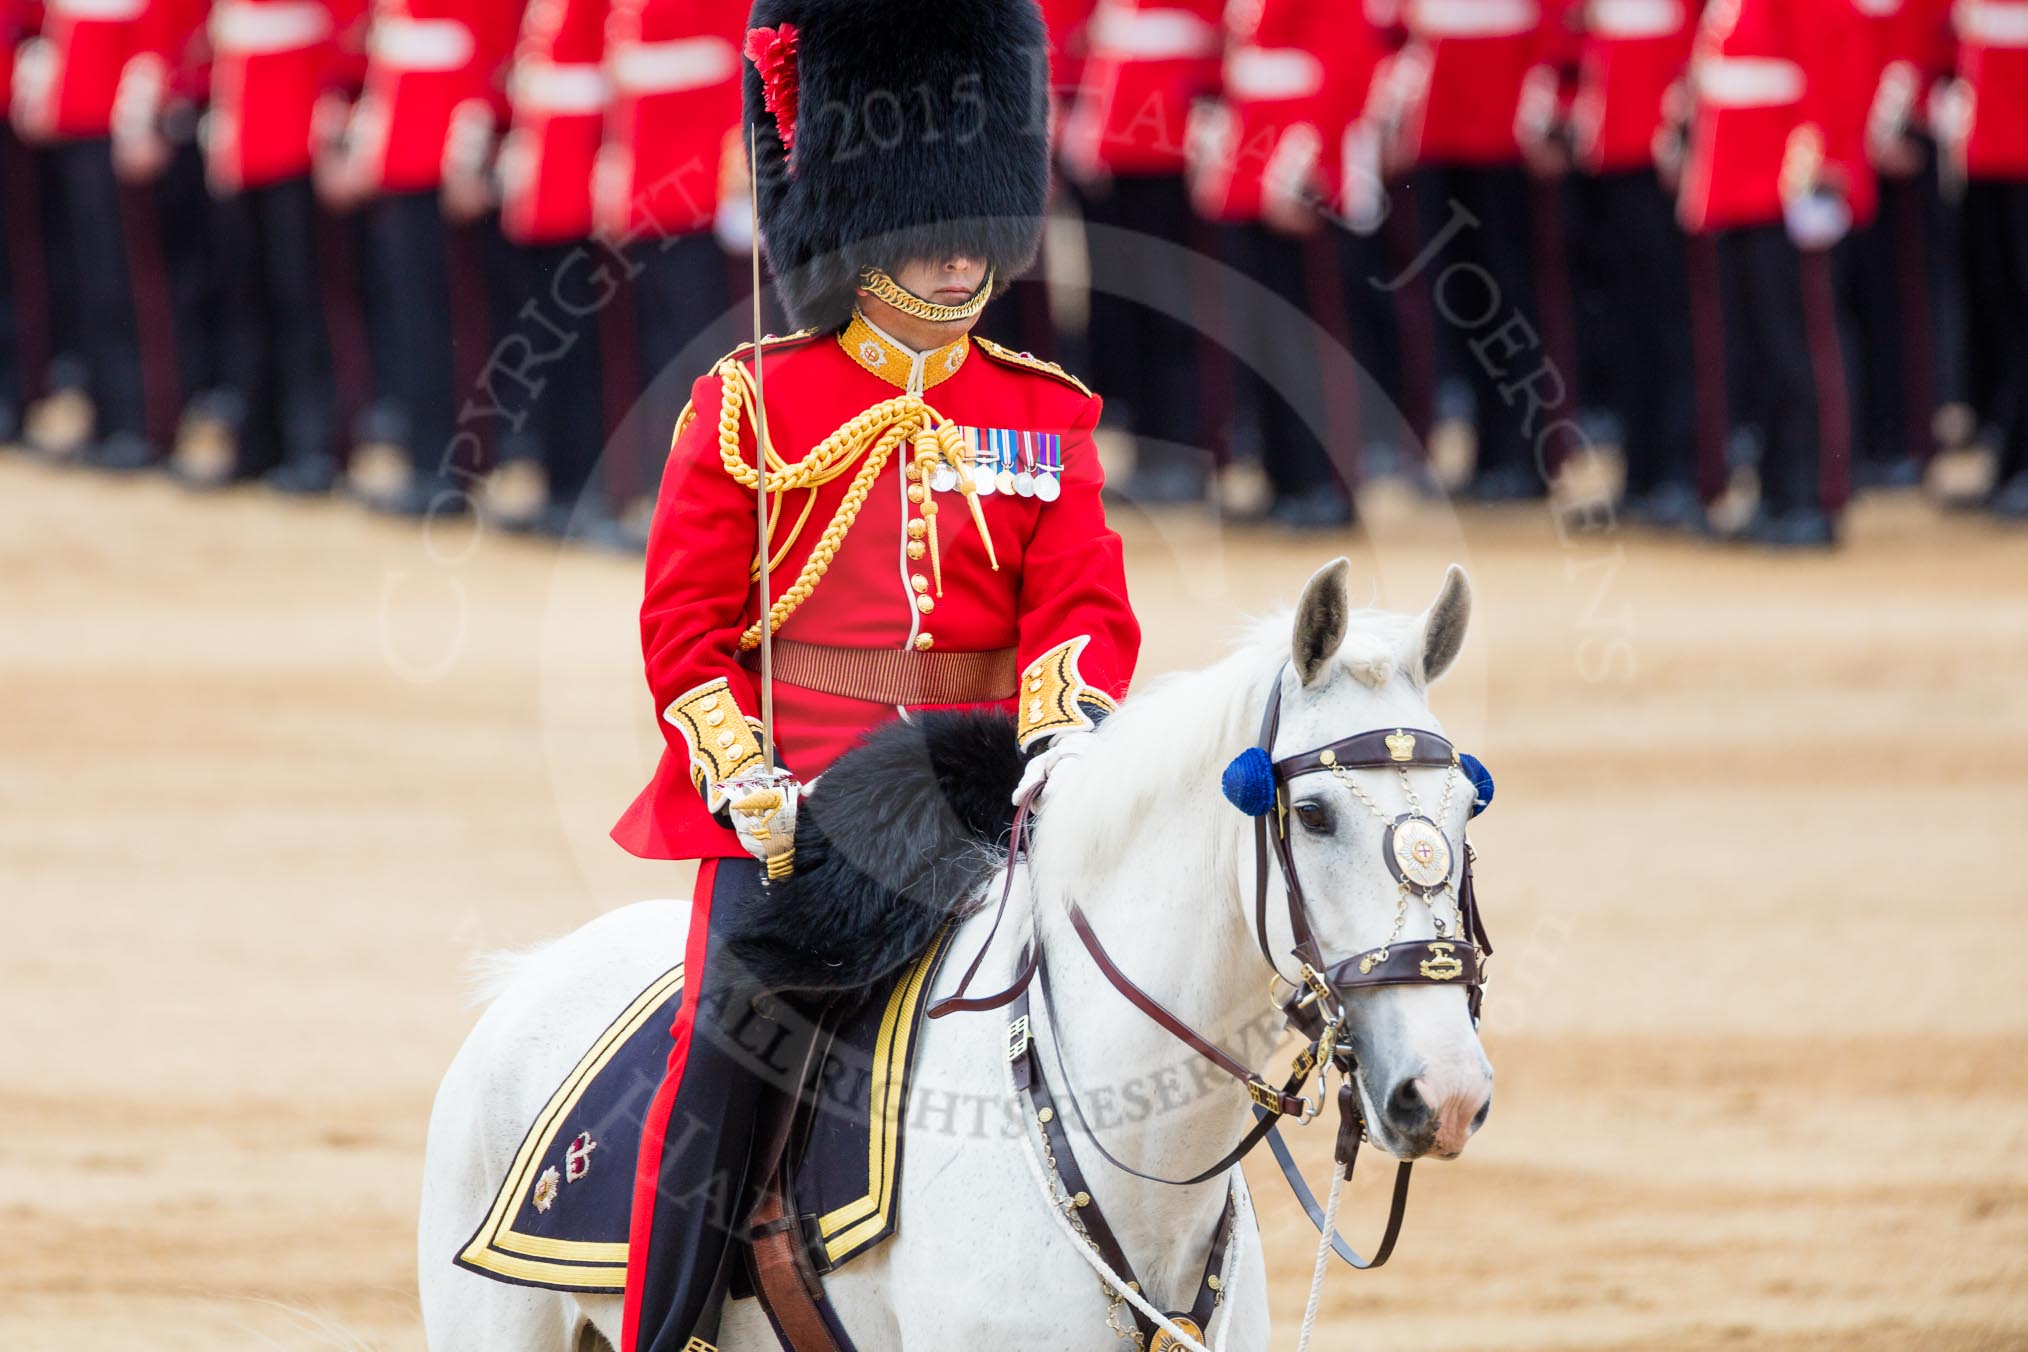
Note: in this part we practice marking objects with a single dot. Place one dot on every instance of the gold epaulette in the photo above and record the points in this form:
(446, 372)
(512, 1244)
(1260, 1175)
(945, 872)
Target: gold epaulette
(772, 342)
(1028, 362)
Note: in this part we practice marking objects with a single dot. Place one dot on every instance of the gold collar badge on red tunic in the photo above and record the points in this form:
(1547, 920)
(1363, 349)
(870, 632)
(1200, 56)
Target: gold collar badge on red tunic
(879, 354)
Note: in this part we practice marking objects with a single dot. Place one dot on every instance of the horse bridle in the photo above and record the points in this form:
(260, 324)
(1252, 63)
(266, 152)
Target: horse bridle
(1316, 1008)
(1442, 961)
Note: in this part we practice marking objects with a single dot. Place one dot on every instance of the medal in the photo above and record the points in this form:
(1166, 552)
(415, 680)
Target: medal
(1006, 443)
(1024, 478)
(943, 479)
(1048, 488)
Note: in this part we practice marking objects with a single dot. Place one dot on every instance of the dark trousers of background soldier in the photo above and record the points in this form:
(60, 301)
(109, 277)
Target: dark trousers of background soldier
(1871, 325)
(1486, 279)
(553, 299)
(195, 270)
(1996, 259)
(1284, 295)
(408, 284)
(1642, 350)
(1156, 365)
(104, 333)
(688, 314)
(1787, 380)
(279, 355)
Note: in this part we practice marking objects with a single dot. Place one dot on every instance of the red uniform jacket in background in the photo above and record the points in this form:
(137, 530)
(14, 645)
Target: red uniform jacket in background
(69, 75)
(424, 58)
(1066, 21)
(1762, 72)
(1146, 63)
(1061, 572)
(1296, 78)
(1630, 53)
(1993, 65)
(675, 67)
(1473, 56)
(557, 94)
(271, 61)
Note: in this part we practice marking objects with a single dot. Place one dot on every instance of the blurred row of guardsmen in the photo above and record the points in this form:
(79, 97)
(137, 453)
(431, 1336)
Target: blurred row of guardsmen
(462, 247)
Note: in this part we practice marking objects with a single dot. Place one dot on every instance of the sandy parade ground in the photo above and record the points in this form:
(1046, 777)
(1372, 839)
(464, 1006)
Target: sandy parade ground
(271, 773)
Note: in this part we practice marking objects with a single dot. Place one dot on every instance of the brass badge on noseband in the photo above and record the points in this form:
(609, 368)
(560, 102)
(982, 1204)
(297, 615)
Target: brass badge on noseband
(1420, 852)
(1443, 963)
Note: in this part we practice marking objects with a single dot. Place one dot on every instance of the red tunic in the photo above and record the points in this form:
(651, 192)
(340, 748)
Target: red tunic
(1768, 76)
(1066, 20)
(1632, 51)
(424, 59)
(1296, 78)
(1146, 63)
(1993, 68)
(675, 67)
(68, 77)
(1472, 57)
(1061, 575)
(557, 93)
(271, 61)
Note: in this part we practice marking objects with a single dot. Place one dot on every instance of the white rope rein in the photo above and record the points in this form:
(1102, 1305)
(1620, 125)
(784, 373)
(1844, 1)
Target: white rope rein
(1323, 1259)
(1112, 1280)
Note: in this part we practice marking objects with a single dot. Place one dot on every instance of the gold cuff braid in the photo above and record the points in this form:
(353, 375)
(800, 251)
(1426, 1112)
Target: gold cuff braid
(724, 743)
(1054, 697)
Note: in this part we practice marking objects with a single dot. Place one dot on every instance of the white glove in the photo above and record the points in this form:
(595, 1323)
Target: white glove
(763, 811)
(1817, 220)
(1061, 751)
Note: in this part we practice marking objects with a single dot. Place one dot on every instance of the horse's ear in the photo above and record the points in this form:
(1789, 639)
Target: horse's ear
(1321, 619)
(1443, 626)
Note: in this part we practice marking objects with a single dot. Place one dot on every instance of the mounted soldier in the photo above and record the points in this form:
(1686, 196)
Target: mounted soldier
(934, 536)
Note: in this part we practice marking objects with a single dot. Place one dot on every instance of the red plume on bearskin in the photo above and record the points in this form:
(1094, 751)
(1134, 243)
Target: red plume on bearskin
(773, 53)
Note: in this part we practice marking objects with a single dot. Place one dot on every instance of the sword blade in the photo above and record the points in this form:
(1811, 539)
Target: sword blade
(767, 643)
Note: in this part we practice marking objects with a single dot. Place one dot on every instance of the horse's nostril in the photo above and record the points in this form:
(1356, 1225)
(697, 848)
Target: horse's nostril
(1479, 1119)
(1408, 1112)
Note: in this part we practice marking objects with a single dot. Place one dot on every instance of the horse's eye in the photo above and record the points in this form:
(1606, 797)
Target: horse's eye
(1314, 816)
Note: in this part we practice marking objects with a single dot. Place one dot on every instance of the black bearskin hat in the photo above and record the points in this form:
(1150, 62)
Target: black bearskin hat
(915, 129)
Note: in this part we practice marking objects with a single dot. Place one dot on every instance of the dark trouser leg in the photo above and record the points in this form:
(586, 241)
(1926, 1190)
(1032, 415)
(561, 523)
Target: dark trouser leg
(571, 407)
(692, 1191)
(687, 322)
(1653, 360)
(1869, 315)
(194, 270)
(1163, 375)
(107, 332)
(1765, 317)
(410, 290)
(306, 398)
(1285, 349)
(2005, 276)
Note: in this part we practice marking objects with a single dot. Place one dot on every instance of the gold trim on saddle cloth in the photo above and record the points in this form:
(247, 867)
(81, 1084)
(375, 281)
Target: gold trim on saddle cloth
(536, 1259)
(848, 1230)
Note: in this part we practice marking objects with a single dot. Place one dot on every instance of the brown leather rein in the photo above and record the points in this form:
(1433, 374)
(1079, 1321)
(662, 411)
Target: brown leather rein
(1316, 1008)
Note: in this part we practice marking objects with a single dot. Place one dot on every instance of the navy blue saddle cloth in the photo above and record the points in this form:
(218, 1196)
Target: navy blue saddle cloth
(560, 1219)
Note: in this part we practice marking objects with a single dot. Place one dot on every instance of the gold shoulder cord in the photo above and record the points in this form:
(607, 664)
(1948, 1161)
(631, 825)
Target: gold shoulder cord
(868, 440)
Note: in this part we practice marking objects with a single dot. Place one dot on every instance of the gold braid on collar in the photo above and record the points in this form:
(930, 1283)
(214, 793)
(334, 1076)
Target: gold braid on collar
(882, 287)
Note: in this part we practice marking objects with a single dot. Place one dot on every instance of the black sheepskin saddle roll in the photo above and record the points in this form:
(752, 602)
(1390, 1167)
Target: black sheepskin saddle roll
(896, 840)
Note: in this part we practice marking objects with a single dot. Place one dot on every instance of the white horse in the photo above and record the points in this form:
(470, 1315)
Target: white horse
(1136, 830)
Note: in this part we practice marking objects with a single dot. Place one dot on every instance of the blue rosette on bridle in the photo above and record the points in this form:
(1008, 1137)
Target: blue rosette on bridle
(1482, 782)
(1249, 782)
